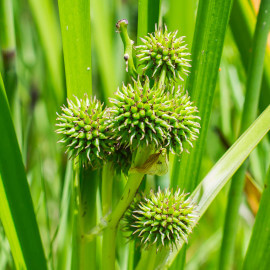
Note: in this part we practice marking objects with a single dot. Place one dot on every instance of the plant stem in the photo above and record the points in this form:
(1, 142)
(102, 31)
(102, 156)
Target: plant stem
(148, 258)
(107, 185)
(89, 182)
(254, 79)
(162, 77)
(109, 236)
(133, 183)
(128, 50)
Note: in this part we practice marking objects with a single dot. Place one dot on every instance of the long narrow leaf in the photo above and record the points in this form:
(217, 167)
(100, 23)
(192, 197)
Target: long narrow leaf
(76, 36)
(16, 206)
(211, 24)
(259, 245)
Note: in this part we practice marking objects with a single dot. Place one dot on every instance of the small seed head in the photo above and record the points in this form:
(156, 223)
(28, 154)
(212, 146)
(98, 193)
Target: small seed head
(163, 218)
(83, 128)
(163, 50)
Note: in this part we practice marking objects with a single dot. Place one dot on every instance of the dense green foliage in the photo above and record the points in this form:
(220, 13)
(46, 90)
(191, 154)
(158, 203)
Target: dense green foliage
(173, 122)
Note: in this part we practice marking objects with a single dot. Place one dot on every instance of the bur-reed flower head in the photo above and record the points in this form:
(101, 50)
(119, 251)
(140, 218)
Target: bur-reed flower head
(138, 113)
(163, 218)
(83, 128)
(163, 117)
(163, 50)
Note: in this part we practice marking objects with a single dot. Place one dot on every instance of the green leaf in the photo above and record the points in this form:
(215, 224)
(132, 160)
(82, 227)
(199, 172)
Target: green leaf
(259, 245)
(16, 206)
(44, 15)
(210, 29)
(76, 37)
(220, 174)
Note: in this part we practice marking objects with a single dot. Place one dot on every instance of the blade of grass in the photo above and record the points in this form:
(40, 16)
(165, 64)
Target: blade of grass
(220, 174)
(76, 38)
(258, 249)
(254, 79)
(8, 48)
(17, 212)
(44, 15)
(242, 22)
(154, 14)
(103, 42)
(181, 16)
(142, 20)
(211, 24)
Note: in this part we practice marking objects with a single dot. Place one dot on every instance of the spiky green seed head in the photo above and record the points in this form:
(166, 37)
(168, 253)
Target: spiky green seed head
(83, 128)
(142, 115)
(138, 113)
(163, 50)
(163, 218)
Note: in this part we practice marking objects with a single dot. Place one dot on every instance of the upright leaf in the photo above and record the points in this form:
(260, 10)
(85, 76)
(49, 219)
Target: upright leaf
(16, 206)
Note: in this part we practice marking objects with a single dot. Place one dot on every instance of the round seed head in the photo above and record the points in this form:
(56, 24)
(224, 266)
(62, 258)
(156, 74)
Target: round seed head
(142, 115)
(163, 50)
(83, 128)
(137, 115)
(163, 218)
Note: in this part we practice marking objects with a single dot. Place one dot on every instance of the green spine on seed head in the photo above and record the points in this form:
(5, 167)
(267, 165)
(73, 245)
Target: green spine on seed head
(163, 51)
(83, 128)
(163, 218)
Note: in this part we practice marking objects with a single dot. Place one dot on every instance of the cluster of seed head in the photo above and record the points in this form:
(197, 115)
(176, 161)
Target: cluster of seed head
(163, 218)
(142, 115)
(163, 51)
(83, 126)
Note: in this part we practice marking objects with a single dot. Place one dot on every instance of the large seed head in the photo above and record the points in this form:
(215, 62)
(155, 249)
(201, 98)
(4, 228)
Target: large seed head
(83, 128)
(163, 117)
(163, 50)
(137, 115)
(163, 218)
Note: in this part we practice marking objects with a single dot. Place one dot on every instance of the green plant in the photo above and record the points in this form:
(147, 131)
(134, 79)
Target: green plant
(145, 164)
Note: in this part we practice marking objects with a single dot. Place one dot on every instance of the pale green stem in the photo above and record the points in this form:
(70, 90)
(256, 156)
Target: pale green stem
(133, 183)
(162, 77)
(107, 185)
(109, 236)
(128, 49)
(148, 259)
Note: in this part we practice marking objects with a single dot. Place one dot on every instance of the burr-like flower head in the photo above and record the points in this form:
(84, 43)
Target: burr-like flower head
(138, 115)
(163, 218)
(163, 51)
(83, 128)
(142, 115)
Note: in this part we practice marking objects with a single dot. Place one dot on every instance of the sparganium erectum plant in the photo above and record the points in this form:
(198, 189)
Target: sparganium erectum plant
(147, 119)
